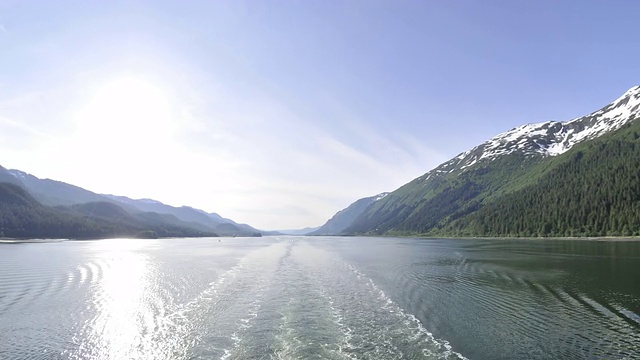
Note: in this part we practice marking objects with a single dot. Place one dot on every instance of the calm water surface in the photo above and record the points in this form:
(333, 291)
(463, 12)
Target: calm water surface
(329, 298)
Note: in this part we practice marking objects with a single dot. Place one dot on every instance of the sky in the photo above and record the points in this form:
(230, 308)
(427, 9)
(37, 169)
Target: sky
(280, 113)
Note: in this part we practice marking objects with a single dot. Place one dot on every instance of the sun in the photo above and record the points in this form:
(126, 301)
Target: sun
(126, 121)
(126, 125)
(128, 110)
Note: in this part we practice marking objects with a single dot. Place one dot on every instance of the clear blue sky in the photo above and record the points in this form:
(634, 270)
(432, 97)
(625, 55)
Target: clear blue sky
(280, 113)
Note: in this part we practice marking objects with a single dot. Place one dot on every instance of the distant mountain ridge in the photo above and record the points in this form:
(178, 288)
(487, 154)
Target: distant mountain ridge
(57, 193)
(212, 221)
(467, 194)
(303, 231)
(343, 218)
(52, 192)
(22, 216)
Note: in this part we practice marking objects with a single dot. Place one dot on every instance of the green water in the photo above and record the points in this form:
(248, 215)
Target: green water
(333, 298)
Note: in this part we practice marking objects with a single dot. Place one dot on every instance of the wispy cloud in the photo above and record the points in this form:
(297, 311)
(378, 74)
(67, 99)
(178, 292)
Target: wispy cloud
(3, 29)
(284, 162)
(22, 127)
(19, 143)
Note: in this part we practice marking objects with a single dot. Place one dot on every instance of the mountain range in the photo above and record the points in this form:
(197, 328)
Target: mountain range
(575, 178)
(49, 208)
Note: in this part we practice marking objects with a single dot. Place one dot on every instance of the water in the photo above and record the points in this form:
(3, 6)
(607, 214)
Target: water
(330, 298)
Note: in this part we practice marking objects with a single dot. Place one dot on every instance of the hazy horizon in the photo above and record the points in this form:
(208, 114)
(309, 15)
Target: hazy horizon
(279, 114)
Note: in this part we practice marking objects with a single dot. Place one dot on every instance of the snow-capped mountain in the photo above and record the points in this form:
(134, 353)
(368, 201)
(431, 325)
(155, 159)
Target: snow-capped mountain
(550, 138)
(467, 194)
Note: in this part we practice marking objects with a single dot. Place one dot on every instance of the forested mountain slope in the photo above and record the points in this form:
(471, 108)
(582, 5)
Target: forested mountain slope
(454, 198)
(593, 190)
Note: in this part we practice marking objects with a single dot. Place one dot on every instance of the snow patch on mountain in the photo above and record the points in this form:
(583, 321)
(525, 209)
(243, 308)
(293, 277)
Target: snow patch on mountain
(550, 138)
(18, 174)
(380, 196)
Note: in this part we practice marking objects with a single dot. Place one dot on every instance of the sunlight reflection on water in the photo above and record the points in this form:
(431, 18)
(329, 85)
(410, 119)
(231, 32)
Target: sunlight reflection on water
(126, 305)
(120, 303)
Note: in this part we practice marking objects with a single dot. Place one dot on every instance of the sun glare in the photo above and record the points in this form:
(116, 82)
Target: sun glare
(127, 111)
(126, 121)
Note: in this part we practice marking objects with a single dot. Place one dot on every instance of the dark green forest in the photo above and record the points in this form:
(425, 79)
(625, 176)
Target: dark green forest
(593, 190)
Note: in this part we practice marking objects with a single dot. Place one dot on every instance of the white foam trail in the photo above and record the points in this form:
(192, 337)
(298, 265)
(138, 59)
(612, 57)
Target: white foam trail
(419, 328)
(211, 292)
(289, 343)
(232, 302)
(245, 324)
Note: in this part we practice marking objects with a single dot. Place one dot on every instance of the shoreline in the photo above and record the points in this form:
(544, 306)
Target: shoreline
(528, 238)
(596, 238)
(26, 241)
(52, 240)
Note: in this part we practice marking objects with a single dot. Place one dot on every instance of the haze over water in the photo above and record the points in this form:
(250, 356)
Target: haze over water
(334, 298)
